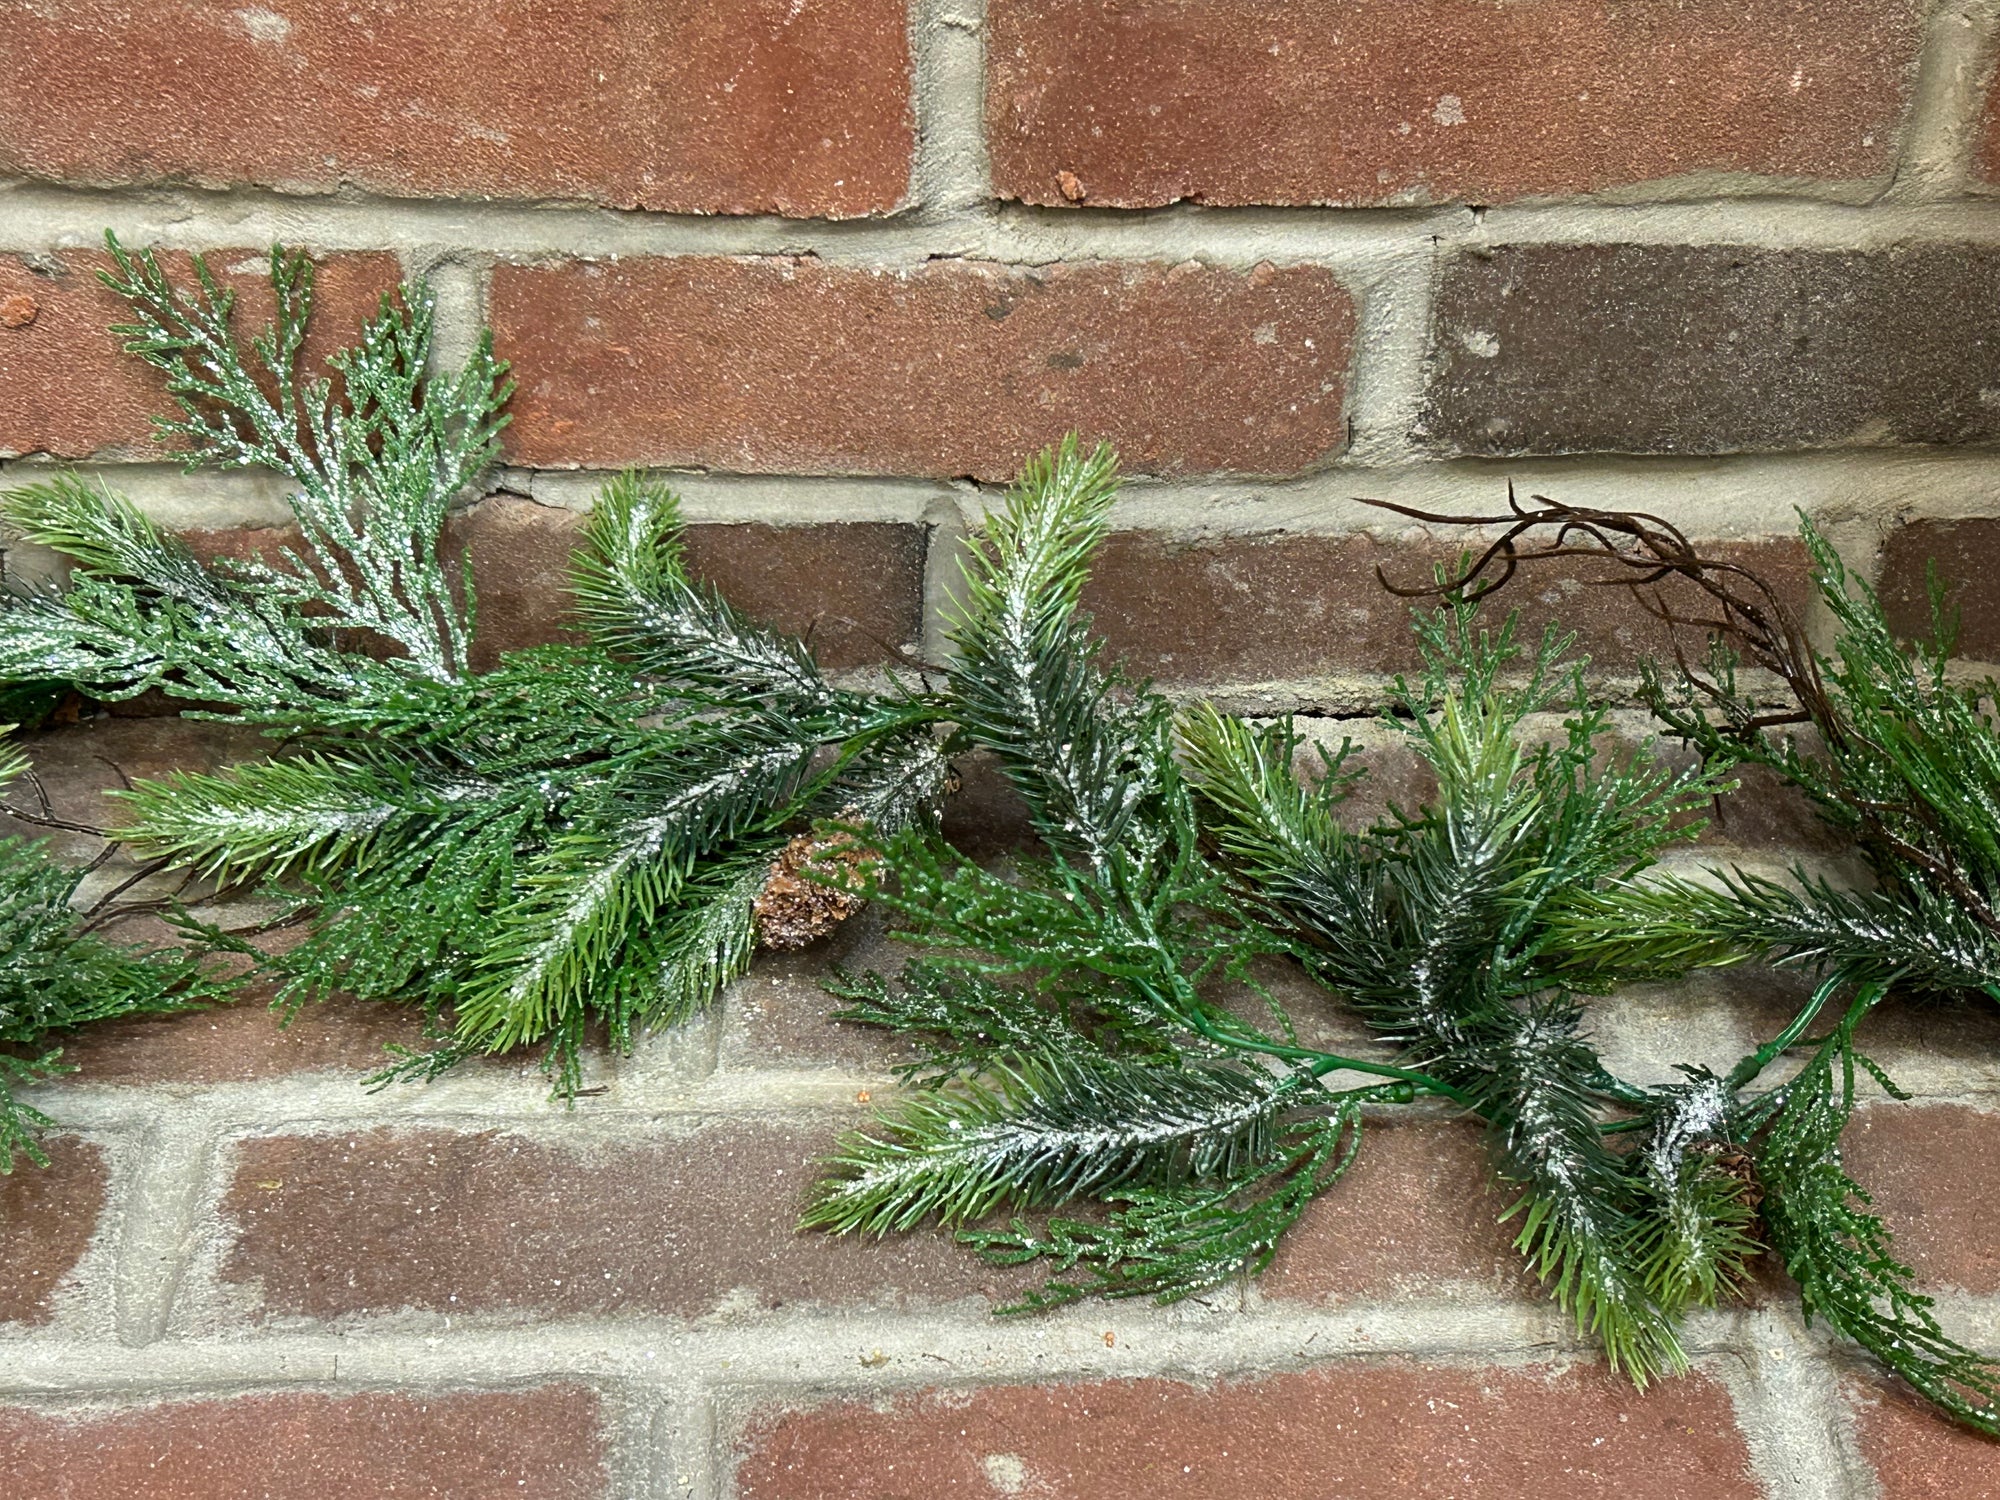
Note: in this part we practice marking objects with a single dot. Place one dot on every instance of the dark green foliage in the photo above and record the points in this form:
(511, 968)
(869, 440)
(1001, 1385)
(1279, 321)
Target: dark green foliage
(1436, 925)
(1839, 1253)
(1904, 761)
(1074, 1042)
(56, 977)
(576, 836)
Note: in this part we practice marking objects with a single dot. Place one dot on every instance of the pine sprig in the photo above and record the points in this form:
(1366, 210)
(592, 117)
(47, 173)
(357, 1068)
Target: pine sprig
(1038, 1130)
(1907, 764)
(1067, 1013)
(1171, 1243)
(1436, 926)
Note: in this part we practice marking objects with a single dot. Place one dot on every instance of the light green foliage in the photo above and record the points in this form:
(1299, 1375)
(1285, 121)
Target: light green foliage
(55, 977)
(575, 835)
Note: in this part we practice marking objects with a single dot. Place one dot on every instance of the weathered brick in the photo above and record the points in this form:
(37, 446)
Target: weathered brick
(1712, 348)
(1932, 1171)
(543, 1444)
(1212, 610)
(47, 1217)
(949, 368)
(66, 388)
(1374, 1429)
(1144, 102)
(854, 587)
(78, 764)
(1417, 1213)
(742, 106)
(985, 818)
(489, 1223)
(779, 1015)
(1918, 1453)
(1967, 555)
(246, 1042)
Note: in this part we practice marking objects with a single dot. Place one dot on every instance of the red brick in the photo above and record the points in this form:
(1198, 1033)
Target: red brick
(533, 1445)
(245, 1042)
(854, 588)
(484, 1222)
(739, 106)
(1918, 1453)
(47, 1217)
(1376, 1429)
(1967, 555)
(66, 388)
(949, 368)
(1416, 1214)
(1934, 1173)
(779, 1015)
(1222, 610)
(1134, 103)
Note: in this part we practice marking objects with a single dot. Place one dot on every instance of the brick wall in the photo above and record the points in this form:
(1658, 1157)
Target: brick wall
(844, 262)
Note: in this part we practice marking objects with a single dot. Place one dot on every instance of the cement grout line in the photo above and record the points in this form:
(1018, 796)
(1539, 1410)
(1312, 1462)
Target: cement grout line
(1949, 102)
(1733, 496)
(37, 216)
(157, 1219)
(951, 173)
(1789, 1408)
(858, 1350)
(1391, 356)
(852, 1349)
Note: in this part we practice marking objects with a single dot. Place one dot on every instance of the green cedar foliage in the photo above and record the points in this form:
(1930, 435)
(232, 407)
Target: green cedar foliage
(56, 976)
(575, 836)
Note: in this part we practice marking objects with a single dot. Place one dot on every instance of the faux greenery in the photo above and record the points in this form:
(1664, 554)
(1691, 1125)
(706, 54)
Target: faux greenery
(1072, 1012)
(57, 975)
(578, 835)
(1894, 754)
(603, 833)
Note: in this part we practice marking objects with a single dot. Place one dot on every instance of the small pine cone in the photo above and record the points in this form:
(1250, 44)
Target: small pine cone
(1731, 1161)
(793, 909)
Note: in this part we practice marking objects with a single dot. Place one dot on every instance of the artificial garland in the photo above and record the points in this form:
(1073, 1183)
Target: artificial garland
(583, 832)
(1075, 1048)
(605, 831)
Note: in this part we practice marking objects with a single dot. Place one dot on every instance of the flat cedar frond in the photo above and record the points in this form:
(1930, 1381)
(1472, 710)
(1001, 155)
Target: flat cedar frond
(1841, 1255)
(578, 834)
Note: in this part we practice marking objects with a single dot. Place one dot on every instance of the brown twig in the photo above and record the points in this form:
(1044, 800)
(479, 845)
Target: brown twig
(1749, 616)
